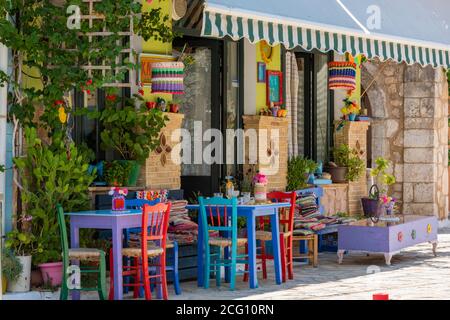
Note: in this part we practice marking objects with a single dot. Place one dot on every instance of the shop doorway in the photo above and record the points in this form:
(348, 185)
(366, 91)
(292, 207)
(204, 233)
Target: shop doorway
(314, 125)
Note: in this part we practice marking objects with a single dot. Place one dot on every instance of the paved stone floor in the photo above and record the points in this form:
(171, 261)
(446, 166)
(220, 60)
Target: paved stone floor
(414, 274)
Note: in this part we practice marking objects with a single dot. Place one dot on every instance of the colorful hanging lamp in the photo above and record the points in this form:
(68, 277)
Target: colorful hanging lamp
(342, 75)
(167, 77)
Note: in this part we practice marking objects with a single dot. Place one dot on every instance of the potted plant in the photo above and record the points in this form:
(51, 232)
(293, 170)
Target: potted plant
(117, 173)
(22, 245)
(373, 205)
(351, 109)
(133, 132)
(52, 172)
(347, 165)
(11, 268)
(299, 171)
(260, 182)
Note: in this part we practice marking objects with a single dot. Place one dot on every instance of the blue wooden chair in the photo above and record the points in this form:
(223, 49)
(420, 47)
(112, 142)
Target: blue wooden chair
(217, 217)
(170, 265)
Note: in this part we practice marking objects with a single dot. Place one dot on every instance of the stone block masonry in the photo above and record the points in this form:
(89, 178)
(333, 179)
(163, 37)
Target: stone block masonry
(409, 107)
(272, 147)
(354, 134)
(159, 171)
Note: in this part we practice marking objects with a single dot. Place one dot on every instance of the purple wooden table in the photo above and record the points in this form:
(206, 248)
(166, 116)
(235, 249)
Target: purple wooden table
(105, 219)
(387, 237)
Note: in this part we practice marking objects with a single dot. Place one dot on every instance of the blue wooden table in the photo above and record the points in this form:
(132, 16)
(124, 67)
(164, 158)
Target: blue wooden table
(105, 219)
(250, 212)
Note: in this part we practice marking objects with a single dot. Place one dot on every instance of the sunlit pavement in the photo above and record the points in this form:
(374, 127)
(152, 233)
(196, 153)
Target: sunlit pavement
(414, 274)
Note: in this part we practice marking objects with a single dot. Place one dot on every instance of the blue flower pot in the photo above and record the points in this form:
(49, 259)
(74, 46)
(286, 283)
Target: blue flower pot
(352, 117)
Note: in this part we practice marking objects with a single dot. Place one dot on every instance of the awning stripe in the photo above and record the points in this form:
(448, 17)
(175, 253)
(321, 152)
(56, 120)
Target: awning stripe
(219, 25)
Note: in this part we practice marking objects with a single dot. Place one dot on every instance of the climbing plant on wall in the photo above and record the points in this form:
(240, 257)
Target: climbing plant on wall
(58, 46)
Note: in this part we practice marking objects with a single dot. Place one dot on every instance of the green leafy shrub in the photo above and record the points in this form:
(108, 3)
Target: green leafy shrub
(344, 156)
(132, 132)
(11, 266)
(116, 173)
(51, 174)
(381, 175)
(299, 168)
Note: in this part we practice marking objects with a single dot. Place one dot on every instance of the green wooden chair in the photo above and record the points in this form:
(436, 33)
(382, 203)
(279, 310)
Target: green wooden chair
(82, 255)
(220, 216)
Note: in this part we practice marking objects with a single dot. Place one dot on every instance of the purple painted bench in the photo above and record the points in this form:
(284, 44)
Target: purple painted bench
(386, 237)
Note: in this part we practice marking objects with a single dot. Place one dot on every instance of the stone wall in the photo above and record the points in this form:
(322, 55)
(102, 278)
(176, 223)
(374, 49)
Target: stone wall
(354, 134)
(159, 171)
(272, 149)
(408, 105)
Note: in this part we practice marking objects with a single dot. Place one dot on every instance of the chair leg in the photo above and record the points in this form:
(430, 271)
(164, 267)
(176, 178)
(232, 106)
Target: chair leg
(290, 258)
(147, 292)
(316, 251)
(64, 294)
(217, 266)
(246, 265)
(165, 291)
(263, 259)
(111, 275)
(283, 257)
(137, 278)
(101, 282)
(206, 271)
(176, 278)
(233, 266)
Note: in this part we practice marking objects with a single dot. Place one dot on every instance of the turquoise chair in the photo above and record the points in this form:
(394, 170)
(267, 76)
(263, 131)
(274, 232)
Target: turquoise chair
(220, 216)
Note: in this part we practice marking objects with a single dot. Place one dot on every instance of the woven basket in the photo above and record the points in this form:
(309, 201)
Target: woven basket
(342, 75)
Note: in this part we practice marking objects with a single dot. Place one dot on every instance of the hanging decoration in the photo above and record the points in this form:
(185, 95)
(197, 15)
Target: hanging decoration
(266, 51)
(62, 115)
(342, 75)
(167, 77)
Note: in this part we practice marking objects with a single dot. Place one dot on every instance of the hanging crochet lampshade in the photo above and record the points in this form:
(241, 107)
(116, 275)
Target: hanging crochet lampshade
(167, 77)
(342, 75)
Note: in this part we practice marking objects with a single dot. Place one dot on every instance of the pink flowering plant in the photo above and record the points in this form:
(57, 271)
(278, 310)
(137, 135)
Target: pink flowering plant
(260, 178)
(388, 203)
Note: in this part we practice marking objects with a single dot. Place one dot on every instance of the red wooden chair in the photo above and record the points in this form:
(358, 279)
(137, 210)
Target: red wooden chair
(286, 235)
(153, 245)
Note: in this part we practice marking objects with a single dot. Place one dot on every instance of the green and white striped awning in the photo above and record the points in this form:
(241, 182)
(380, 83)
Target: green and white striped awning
(220, 21)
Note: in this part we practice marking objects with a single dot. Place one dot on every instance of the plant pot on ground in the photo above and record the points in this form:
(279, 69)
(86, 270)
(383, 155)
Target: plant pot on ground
(133, 133)
(347, 165)
(11, 268)
(372, 205)
(22, 245)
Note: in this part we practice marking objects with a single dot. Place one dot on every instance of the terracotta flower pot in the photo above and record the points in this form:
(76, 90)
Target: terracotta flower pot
(174, 108)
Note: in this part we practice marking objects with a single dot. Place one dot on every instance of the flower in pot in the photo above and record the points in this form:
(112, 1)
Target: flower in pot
(174, 107)
(351, 109)
(22, 245)
(299, 171)
(132, 131)
(11, 268)
(347, 165)
(260, 182)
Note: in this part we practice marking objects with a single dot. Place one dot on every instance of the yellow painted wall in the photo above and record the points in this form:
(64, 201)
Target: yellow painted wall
(157, 47)
(274, 65)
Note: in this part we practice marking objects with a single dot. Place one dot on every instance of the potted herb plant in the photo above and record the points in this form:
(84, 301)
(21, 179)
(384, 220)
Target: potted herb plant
(132, 130)
(22, 245)
(347, 165)
(377, 200)
(11, 268)
(299, 170)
